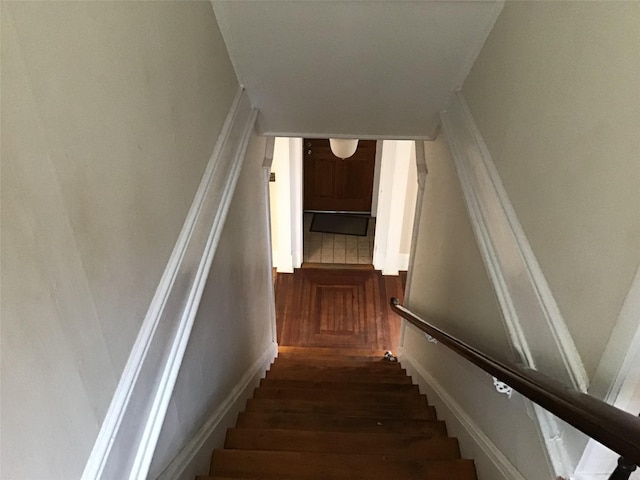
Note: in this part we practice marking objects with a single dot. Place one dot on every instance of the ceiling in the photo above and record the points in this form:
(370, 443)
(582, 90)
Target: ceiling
(366, 69)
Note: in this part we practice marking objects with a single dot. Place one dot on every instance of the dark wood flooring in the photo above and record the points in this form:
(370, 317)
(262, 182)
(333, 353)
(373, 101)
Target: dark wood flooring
(336, 308)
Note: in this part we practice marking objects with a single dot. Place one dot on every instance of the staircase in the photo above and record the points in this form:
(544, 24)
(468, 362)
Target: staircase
(328, 414)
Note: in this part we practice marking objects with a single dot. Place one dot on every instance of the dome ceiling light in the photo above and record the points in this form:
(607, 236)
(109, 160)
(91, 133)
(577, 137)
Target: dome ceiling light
(343, 147)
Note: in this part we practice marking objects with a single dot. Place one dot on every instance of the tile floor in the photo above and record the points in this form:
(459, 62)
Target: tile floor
(333, 248)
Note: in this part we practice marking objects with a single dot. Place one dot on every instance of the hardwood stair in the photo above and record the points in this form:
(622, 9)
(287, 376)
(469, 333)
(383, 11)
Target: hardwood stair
(323, 414)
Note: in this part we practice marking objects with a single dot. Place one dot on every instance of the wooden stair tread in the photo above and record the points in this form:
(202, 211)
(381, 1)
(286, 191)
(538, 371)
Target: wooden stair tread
(338, 386)
(355, 359)
(336, 366)
(330, 352)
(323, 414)
(340, 423)
(337, 376)
(338, 407)
(399, 444)
(397, 399)
(321, 363)
(322, 466)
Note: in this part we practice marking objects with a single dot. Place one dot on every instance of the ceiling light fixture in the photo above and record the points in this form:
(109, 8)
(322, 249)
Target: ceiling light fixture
(343, 147)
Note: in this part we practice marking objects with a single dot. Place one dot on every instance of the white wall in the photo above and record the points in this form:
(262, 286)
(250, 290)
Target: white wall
(450, 288)
(409, 207)
(286, 204)
(397, 194)
(554, 93)
(110, 113)
(233, 326)
(281, 205)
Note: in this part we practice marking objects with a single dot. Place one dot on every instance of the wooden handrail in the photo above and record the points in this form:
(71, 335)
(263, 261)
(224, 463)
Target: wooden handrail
(612, 427)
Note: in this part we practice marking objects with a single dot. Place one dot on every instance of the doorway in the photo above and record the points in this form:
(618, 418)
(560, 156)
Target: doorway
(337, 225)
(394, 201)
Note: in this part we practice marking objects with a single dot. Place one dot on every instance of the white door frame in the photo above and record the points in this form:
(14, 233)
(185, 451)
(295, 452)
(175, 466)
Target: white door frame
(395, 160)
(297, 224)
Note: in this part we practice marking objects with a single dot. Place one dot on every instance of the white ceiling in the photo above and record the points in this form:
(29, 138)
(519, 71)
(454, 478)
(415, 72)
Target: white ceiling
(366, 69)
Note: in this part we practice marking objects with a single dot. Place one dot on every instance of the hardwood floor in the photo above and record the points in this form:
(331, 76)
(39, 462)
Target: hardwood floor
(335, 308)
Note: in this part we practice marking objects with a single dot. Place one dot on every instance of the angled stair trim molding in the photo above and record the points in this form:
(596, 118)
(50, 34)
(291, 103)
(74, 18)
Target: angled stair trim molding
(129, 433)
(532, 318)
(534, 322)
(266, 167)
(616, 380)
(490, 449)
(217, 421)
(421, 175)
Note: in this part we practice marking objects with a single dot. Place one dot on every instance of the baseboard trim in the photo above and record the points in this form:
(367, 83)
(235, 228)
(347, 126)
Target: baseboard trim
(591, 476)
(234, 401)
(145, 387)
(403, 261)
(492, 452)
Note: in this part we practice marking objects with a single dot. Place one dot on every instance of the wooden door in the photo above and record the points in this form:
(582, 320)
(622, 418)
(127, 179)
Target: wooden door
(334, 184)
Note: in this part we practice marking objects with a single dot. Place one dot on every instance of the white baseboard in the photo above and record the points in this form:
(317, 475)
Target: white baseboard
(403, 261)
(490, 450)
(591, 476)
(127, 438)
(284, 264)
(220, 419)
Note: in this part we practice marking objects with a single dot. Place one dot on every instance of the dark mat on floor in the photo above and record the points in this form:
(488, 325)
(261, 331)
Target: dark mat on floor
(340, 224)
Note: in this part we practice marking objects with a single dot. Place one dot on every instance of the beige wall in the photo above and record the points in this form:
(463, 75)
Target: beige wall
(449, 284)
(555, 95)
(233, 327)
(450, 288)
(110, 111)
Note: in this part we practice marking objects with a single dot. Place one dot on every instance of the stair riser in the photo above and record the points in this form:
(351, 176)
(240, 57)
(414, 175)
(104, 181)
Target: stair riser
(339, 386)
(341, 423)
(364, 368)
(332, 408)
(318, 415)
(343, 442)
(337, 363)
(392, 399)
(316, 466)
(319, 376)
(358, 359)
